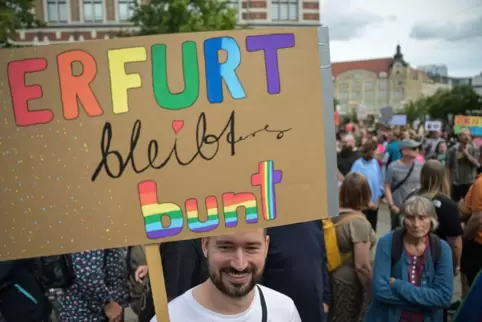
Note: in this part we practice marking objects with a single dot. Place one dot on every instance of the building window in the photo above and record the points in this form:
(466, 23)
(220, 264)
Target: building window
(370, 84)
(343, 96)
(284, 10)
(57, 11)
(93, 10)
(234, 4)
(356, 95)
(343, 86)
(370, 95)
(356, 84)
(126, 9)
(397, 95)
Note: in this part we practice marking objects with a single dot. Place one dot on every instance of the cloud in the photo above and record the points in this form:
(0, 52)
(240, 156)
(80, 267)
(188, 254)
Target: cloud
(347, 19)
(351, 24)
(450, 32)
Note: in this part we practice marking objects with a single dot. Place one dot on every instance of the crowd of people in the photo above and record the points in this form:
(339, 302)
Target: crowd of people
(315, 271)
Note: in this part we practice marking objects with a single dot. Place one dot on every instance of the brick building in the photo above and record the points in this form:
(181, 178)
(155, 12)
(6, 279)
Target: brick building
(376, 83)
(77, 20)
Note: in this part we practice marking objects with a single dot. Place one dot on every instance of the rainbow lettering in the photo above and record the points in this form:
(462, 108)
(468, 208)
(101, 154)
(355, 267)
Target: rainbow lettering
(233, 201)
(267, 177)
(153, 212)
(193, 222)
(76, 90)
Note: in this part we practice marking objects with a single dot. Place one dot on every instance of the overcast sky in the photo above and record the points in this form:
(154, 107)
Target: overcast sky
(429, 31)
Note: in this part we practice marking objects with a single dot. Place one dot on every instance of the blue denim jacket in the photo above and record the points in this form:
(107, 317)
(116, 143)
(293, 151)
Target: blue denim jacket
(431, 297)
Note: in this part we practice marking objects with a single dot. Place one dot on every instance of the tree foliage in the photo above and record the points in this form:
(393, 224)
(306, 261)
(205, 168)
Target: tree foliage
(15, 15)
(335, 103)
(415, 110)
(459, 100)
(175, 16)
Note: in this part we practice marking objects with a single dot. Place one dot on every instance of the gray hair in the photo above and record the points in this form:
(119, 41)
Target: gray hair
(419, 206)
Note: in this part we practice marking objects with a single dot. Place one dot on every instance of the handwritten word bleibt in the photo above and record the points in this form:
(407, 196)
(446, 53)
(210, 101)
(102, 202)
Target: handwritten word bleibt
(202, 138)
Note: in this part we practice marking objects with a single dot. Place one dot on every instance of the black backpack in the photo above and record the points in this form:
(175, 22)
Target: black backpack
(55, 271)
(397, 247)
(22, 296)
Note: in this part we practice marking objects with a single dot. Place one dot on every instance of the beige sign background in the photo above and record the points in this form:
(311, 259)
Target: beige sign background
(50, 203)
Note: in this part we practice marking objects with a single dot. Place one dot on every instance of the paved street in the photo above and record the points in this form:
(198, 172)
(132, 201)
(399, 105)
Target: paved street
(383, 228)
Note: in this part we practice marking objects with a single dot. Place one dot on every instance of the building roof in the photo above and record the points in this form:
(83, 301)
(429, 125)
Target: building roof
(373, 65)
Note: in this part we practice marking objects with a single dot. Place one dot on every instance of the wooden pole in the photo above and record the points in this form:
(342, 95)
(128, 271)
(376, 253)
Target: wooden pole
(156, 278)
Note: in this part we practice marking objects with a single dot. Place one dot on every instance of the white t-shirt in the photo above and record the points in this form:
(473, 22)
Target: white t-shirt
(280, 309)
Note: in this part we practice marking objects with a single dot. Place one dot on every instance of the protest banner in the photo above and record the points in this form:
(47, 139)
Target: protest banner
(433, 126)
(398, 119)
(386, 114)
(137, 141)
(473, 123)
(361, 112)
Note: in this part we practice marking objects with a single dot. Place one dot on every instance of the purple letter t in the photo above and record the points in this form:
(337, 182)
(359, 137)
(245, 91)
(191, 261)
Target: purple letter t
(270, 45)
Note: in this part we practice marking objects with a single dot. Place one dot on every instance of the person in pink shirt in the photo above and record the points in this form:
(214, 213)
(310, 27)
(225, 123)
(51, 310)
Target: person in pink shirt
(420, 158)
(380, 153)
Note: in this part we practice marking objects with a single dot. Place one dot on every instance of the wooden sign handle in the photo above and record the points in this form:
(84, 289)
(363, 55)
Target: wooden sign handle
(156, 277)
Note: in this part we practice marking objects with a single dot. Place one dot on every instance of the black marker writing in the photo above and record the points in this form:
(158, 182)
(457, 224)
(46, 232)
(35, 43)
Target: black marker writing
(203, 139)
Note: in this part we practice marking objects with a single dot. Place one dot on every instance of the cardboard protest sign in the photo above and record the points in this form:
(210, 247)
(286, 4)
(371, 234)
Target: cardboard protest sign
(398, 119)
(386, 114)
(433, 126)
(473, 123)
(361, 112)
(135, 141)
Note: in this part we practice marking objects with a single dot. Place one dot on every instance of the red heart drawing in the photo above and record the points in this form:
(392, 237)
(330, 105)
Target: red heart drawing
(177, 125)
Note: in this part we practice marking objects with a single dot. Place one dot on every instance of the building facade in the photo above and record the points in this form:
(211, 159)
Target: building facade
(78, 20)
(477, 84)
(378, 83)
(435, 70)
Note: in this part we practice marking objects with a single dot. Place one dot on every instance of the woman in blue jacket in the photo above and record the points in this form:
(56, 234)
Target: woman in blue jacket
(413, 271)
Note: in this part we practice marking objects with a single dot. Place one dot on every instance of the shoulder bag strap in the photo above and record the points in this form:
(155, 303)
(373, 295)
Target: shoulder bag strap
(349, 217)
(398, 185)
(397, 246)
(435, 248)
(264, 309)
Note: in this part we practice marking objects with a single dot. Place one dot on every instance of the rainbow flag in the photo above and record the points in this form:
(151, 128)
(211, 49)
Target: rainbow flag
(470, 309)
(473, 123)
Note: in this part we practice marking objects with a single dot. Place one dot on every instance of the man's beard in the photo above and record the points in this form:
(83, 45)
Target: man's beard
(233, 289)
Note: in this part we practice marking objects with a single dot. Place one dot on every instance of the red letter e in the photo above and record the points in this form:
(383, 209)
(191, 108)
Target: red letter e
(22, 93)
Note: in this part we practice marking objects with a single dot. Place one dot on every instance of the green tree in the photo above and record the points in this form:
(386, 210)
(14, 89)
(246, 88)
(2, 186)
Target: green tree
(15, 15)
(174, 16)
(353, 116)
(458, 100)
(416, 110)
(335, 103)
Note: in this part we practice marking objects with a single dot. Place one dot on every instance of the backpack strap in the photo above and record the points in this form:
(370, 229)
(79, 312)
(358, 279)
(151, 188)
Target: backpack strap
(349, 217)
(397, 246)
(435, 249)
